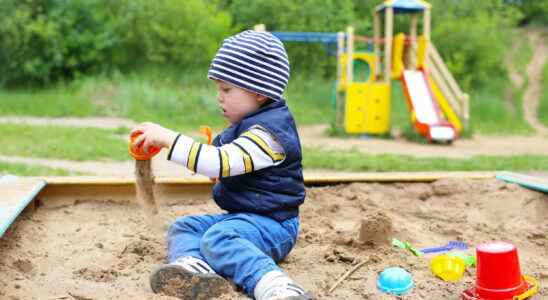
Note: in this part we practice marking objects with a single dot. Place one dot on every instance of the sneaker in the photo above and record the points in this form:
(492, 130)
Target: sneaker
(286, 292)
(276, 285)
(174, 280)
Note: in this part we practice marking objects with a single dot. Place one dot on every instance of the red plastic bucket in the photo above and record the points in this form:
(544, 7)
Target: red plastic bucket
(498, 274)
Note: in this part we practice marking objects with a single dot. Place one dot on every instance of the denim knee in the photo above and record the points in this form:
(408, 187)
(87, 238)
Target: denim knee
(212, 238)
(184, 224)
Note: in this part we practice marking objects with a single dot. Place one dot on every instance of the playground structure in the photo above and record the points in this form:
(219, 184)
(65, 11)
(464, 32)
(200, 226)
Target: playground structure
(438, 108)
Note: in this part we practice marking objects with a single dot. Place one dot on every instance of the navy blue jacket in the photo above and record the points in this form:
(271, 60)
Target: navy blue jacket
(275, 191)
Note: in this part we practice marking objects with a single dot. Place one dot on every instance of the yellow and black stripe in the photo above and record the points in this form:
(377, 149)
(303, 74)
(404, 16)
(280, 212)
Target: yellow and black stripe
(224, 164)
(193, 156)
(248, 161)
(257, 140)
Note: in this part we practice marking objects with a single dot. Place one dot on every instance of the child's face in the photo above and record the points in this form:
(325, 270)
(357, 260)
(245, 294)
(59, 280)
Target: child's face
(235, 103)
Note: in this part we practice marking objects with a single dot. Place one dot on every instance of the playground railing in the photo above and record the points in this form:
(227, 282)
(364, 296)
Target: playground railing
(439, 72)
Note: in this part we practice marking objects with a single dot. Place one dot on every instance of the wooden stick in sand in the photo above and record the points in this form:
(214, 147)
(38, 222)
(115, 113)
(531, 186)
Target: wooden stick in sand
(144, 183)
(354, 269)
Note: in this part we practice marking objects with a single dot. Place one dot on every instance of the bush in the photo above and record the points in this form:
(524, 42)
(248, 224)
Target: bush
(180, 32)
(44, 40)
(290, 15)
(534, 11)
(473, 37)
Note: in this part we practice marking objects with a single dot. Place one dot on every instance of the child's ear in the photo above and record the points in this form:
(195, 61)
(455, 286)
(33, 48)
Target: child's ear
(261, 98)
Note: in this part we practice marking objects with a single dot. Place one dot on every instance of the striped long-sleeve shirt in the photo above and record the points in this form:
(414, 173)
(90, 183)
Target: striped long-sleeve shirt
(253, 150)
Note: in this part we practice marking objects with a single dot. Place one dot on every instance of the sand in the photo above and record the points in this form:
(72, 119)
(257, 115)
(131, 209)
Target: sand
(144, 187)
(102, 250)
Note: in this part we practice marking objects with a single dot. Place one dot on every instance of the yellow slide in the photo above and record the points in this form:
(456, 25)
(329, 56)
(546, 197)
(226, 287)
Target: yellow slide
(444, 105)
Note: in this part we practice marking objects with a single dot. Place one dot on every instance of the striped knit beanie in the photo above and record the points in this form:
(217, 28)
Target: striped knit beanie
(253, 60)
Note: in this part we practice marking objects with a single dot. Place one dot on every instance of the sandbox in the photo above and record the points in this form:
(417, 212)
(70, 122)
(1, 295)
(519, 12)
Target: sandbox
(86, 249)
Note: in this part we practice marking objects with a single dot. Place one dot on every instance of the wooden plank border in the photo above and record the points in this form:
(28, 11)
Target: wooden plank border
(61, 191)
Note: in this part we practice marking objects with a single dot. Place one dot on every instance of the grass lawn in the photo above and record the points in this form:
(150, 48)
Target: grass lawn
(357, 161)
(62, 143)
(179, 101)
(521, 55)
(489, 116)
(184, 101)
(61, 100)
(543, 107)
(31, 170)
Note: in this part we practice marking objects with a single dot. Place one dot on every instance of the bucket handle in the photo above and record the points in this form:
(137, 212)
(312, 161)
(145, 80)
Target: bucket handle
(531, 291)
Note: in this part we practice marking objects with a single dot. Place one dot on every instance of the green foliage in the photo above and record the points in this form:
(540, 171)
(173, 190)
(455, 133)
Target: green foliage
(179, 32)
(534, 11)
(44, 39)
(307, 15)
(473, 37)
(50, 39)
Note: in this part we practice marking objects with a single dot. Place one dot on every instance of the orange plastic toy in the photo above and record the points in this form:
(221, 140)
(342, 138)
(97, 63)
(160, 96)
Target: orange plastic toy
(206, 130)
(137, 152)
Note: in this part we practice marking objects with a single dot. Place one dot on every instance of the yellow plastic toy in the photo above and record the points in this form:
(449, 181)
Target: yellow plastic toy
(367, 103)
(367, 108)
(397, 57)
(448, 268)
(531, 291)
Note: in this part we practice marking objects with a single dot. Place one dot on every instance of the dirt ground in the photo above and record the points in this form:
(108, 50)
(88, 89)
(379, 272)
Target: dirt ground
(105, 250)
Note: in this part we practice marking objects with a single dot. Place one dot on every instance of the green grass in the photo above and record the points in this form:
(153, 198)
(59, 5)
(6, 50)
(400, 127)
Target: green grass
(489, 115)
(62, 143)
(31, 170)
(521, 55)
(357, 161)
(181, 101)
(60, 100)
(311, 99)
(399, 114)
(185, 100)
(543, 106)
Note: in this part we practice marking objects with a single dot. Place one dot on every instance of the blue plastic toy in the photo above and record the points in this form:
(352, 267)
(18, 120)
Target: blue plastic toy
(452, 245)
(395, 281)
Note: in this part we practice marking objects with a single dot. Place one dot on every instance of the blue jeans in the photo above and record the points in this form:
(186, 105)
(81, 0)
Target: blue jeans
(239, 246)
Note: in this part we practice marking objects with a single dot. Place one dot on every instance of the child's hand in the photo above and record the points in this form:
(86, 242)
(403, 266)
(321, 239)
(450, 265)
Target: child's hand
(153, 135)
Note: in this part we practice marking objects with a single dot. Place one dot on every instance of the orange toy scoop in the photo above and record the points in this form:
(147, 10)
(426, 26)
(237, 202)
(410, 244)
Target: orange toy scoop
(137, 152)
(206, 130)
